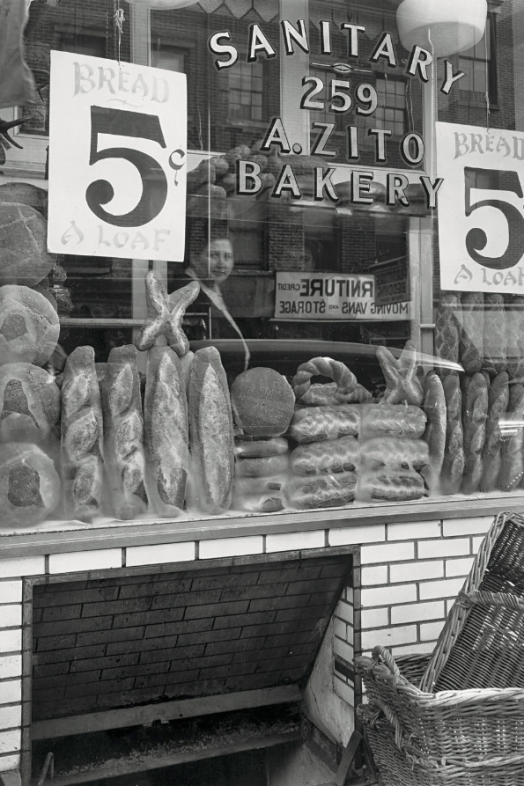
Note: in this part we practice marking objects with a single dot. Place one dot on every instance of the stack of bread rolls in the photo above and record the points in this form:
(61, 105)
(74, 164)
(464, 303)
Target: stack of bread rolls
(30, 488)
(263, 403)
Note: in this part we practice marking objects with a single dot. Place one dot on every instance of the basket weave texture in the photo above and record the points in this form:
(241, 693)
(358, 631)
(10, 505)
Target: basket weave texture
(459, 718)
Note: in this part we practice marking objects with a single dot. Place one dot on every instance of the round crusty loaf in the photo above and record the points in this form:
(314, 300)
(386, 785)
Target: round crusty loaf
(29, 326)
(29, 403)
(24, 258)
(29, 485)
(24, 194)
(262, 401)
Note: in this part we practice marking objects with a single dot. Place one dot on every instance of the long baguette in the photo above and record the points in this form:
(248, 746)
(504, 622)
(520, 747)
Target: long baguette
(124, 434)
(475, 414)
(435, 435)
(515, 348)
(472, 335)
(447, 332)
(498, 399)
(211, 434)
(495, 333)
(82, 436)
(454, 459)
(512, 465)
(166, 432)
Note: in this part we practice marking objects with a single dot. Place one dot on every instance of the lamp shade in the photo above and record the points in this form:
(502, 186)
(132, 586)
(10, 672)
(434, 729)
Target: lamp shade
(163, 5)
(443, 27)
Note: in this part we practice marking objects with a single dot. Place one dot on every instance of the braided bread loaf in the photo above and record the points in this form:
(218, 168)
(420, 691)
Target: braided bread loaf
(454, 459)
(344, 378)
(339, 455)
(391, 486)
(498, 400)
(390, 420)
(321, 491)
(471, 338)
(314, 424)
(475, 414)
(82, 436)
(447, 331)
(394, 453)
(124, 434)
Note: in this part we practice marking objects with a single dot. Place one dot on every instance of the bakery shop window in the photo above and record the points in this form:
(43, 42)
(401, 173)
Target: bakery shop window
(343, 325)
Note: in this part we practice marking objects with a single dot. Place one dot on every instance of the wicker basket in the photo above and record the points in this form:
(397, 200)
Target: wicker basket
(464, 723)
(482, 642)
(467, 738)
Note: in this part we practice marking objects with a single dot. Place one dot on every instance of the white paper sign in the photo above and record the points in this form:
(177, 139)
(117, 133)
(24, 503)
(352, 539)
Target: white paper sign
(117, 159)
(481, 209)
(332, 296)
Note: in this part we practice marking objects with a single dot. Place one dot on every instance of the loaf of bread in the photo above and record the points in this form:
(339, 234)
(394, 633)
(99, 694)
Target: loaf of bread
(331, 456)
(498, 400)
(258, 503)
(29, 326)
(402, 383)
(24, 258)
(435, 434)
(261, 448)
(321, 491)
(448, 328)
(472, 335)
(343, 378)
(262, 401)
(515, 347)
(29, 485)
(82, 436)
(454, 459)
(249, 486)
(24, 194)
(394, 453)
(261, 467)
(124, 434)
(330, 394)
(211, 434)
(391, 486)
(391, 420)
(166, 433)
(314, 424)
(495, 333)
(29, 403)
(512, 464)
(474, 423)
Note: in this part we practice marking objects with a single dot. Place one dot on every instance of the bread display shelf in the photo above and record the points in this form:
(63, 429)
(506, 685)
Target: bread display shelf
(56, 537)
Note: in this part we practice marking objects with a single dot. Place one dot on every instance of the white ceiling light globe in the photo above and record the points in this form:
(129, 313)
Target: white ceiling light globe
(441, 26)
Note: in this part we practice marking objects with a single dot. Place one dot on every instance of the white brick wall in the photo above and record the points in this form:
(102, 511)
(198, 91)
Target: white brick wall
(411, 573)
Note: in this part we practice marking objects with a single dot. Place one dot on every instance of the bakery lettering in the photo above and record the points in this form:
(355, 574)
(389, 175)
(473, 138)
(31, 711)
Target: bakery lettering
(88, 79)
(258, 45)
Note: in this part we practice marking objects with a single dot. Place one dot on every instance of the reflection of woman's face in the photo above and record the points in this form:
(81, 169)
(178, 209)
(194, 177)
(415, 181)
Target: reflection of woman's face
(216, 261)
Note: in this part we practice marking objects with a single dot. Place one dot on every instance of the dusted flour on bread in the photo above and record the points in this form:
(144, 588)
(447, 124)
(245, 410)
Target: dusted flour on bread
(166, 432)
(29, 403)
(211, 434)
(24, 258)
(29, 485)
(82, 436)
(124, 434)
(29, 326)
